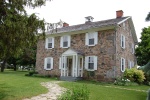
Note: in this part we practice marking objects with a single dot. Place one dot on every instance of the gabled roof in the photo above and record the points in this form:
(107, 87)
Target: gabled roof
(98, 24)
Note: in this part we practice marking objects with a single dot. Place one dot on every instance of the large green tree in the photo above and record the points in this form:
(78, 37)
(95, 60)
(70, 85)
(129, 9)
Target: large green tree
(143, 49)
(17, 29)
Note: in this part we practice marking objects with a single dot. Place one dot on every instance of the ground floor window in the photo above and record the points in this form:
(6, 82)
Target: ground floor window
(122, 64)
(48, 63)
(91, 63)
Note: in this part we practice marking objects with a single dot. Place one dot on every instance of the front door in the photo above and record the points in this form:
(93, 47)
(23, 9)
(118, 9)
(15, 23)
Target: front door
(69, 66)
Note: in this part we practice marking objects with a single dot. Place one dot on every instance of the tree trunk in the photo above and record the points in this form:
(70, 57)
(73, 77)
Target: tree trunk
(15, 67)
(3, 66)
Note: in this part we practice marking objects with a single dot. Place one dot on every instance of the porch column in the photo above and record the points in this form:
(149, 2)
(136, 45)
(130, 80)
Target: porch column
(61, 65)
(76, 73)
(73, 66)
(82, 68)
(64, 65)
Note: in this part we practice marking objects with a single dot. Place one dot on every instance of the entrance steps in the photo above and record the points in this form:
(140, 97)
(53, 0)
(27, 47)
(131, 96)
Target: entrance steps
(70, 78)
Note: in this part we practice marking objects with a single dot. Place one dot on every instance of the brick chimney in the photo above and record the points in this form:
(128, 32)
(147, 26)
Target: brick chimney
(65, 24)
(119, 14)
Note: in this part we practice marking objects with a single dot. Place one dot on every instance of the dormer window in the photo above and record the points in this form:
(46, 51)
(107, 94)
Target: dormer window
(89, 19)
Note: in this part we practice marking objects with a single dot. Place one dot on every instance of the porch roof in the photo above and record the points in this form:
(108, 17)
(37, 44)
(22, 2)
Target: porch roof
(71, 51)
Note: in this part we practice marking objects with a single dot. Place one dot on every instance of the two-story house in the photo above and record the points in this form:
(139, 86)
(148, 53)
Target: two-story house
(104, 48)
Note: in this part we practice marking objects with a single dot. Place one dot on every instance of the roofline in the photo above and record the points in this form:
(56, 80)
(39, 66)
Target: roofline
(123, 20)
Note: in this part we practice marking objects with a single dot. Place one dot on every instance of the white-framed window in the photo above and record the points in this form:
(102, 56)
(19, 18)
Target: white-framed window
(91, 63)
(48, 63)
(91, 38)
(49, 43)
(65, 41)
(122, 41)
(122, 64)
(132, 48)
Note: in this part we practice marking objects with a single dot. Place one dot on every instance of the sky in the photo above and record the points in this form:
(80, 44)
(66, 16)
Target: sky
(74, 12)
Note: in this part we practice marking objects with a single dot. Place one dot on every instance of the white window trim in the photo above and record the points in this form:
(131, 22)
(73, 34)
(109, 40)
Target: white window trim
(69, 41)
(122, 39)
(86, 63)
(122, 70)
(46, 43)
(95, 38)
(45, 63)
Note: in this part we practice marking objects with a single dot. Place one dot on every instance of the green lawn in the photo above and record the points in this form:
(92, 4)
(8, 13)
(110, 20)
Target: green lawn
(100, 91)
(16, 86)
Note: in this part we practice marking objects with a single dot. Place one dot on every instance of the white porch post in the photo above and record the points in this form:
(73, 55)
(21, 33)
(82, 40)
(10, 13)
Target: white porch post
(76, 66)
(82, 68)
(64, 65)
(61, 65)
(73, 65)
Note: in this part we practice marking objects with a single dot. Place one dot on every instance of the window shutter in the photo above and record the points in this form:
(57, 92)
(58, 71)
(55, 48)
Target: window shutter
(121, 41)
(86, 39)
(124, 41)
(60, 63)
(51, 63)
(61, 41)
(95, 38)
(86, 62)
(46, 43)
(45, 63)
(124, 64)
(95, 62)
(53, 42)
(69, 41)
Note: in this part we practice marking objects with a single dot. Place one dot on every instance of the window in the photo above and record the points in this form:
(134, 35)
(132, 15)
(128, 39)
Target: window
(48, 63)
(91, 63)
(122, 41)
(49, 44)
(91, 38)
(65, 41)
(132, 48)
(122, 64)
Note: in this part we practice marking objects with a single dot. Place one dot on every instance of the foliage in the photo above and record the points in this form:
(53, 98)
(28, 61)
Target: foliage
(17, 29)
(148, 17)
(143, 50)
(80, 93)
(134, 75)
(121, 81)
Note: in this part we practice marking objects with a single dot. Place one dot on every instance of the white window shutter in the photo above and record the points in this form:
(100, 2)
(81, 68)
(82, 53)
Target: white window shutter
(46, 43)
(69, 41)
(95, 62)
(95, 38)
(86, 62)
(86, 39)
(124, 64)
(60, 63)
(61, 41)
(53, 42)
(45, 63)
(51, 63)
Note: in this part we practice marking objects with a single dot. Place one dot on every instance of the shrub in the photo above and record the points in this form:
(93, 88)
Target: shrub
(121, 81)
(134, 75)
(80, 93)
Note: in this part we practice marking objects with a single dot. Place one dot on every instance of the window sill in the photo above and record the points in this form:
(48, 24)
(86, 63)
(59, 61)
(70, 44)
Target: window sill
(64, 47)
(48, 48)
(90, 69)
(92, 45)
(48, 69)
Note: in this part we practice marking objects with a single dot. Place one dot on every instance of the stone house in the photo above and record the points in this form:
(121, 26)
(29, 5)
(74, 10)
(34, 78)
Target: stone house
(100, 50)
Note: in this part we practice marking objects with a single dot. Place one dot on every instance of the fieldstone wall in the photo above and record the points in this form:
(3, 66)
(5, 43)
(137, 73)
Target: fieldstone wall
(107, 68)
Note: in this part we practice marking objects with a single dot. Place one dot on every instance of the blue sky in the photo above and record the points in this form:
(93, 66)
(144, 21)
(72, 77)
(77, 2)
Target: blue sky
(74, 11)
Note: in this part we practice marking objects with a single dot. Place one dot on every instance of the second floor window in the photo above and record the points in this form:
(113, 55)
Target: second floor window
(49, 44)
(123, 41)
(65, 41)
(91, 38)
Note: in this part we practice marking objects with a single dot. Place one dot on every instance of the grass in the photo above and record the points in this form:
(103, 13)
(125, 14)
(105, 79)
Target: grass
(99, 91)
(16, 86)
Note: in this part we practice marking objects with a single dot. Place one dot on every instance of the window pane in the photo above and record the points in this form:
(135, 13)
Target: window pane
(91, 41)
(65, 44)
(49, 40)
(48, 65)
(49, 45)
(91, 66)
(65, 38)
(91, 35)
(91, 59)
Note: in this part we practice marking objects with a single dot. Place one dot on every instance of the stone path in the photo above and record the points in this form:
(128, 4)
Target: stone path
(54, 90)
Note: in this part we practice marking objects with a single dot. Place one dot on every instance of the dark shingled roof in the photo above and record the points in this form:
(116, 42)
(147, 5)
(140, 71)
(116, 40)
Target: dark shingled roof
(98, 24)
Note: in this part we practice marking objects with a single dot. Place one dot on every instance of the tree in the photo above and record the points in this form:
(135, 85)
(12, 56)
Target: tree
(143, 50)
(17, 29)
(148, 17)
